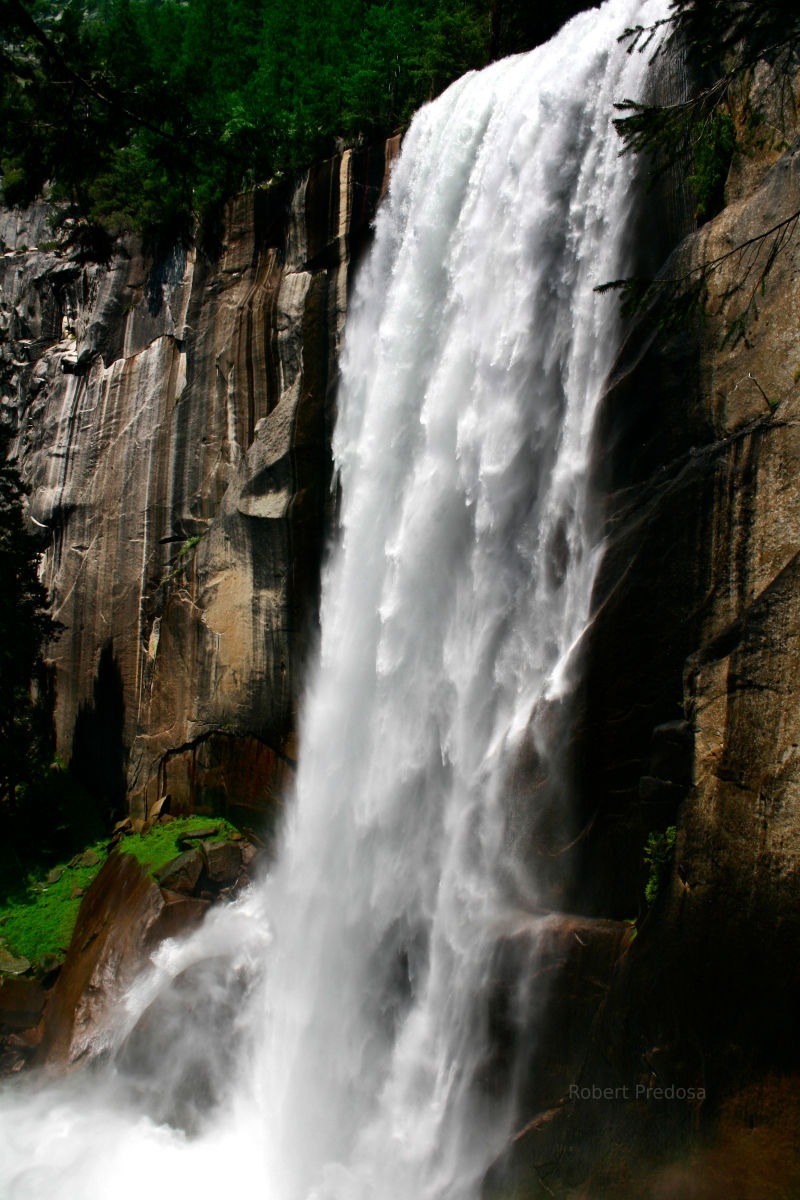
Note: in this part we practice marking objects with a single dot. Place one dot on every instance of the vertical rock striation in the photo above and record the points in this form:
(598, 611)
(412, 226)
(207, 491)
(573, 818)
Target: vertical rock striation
(174, 426)
(690, 717)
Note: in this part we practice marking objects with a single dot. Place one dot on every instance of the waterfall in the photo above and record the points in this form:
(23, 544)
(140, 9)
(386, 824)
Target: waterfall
(332, 1041)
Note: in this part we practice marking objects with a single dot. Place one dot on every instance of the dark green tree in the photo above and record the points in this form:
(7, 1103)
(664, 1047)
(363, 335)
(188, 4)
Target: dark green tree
(149, 114)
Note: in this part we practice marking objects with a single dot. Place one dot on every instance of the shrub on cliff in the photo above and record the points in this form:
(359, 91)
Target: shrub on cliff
(658, 851)
(728, 45)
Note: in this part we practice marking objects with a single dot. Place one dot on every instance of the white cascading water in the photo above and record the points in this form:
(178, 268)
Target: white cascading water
(326, 1038)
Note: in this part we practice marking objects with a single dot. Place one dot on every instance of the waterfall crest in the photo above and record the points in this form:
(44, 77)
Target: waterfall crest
(361, 1061)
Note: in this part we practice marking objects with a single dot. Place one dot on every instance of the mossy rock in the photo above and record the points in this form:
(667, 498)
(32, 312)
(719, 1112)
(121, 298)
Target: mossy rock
(40, 923)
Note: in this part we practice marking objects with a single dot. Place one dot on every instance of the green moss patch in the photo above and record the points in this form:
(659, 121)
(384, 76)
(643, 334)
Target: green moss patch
(158, 847)
(40, 921)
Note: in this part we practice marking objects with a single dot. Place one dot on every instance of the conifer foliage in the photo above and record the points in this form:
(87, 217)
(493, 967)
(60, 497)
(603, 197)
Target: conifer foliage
(148, 114)
(739, 53)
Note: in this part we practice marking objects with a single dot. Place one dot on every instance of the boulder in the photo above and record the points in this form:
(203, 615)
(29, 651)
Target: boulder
(180, 915)
(159, 808)
(182, 873)
(12, 964)
(223, 862)
(89, 858)
(189, 839)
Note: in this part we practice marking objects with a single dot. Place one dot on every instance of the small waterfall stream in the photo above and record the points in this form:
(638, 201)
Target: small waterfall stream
(328, 1037)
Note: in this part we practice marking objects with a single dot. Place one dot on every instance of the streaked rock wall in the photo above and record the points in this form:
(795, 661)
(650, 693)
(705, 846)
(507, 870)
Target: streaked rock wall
(690, 718)
(174, 426)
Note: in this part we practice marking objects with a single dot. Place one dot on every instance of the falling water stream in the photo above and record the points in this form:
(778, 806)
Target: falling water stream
(326, 1037)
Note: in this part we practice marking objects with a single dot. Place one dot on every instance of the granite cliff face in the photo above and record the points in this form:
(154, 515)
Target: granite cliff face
(690, 717)
(174, 426)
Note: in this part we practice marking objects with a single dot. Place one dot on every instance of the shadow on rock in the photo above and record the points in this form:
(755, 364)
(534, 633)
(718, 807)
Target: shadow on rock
(98, 752)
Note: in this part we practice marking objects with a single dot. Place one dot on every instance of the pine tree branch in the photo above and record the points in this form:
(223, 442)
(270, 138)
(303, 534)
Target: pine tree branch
(26, 23)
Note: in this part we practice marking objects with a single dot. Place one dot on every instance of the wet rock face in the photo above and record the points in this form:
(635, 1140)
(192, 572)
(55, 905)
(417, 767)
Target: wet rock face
(104, 954)
(174, 425)
(690, 717)
(124, 916)
(22, 1002)
(698, 475)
